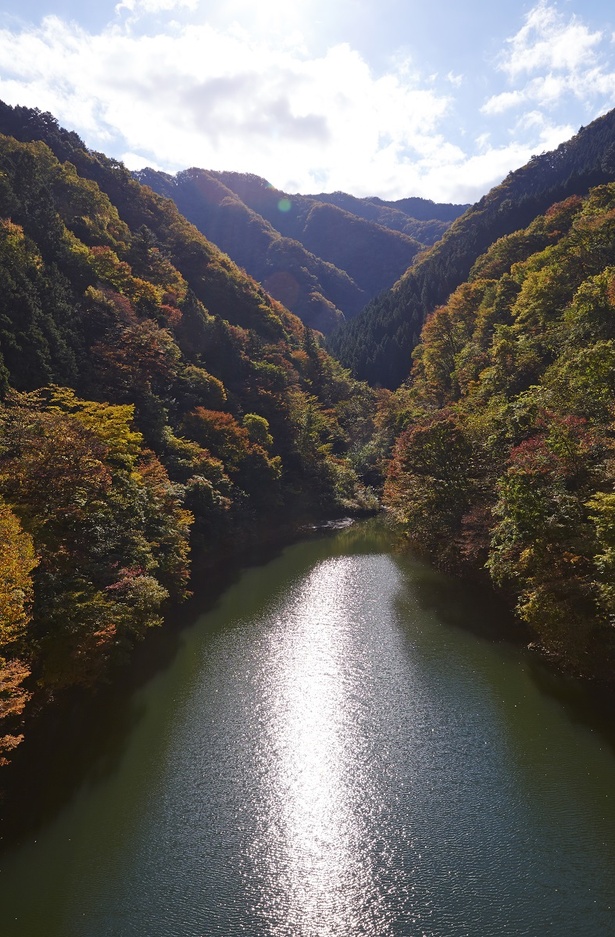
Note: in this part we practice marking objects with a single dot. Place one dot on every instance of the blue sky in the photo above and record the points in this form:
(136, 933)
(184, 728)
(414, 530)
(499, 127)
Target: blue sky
(438, 98)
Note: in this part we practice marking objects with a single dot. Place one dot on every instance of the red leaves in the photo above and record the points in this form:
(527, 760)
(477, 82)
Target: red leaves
(564, 446)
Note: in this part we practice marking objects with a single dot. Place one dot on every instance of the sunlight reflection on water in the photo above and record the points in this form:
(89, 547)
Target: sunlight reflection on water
(313, 848)
(330, 755)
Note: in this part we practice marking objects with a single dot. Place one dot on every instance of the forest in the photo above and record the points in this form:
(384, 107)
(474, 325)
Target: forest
(505, 467)
(157, 405)
(377, 345)
(323, 256)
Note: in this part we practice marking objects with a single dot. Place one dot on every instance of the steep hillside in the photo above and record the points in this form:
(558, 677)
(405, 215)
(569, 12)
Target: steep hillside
(324, 258)
(377, 345)
(154, 400)
(369, 253)
(507, 462)
(317, 291)
(418, 217)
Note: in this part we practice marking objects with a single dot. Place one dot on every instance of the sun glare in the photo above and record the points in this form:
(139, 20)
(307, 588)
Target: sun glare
(312, 847)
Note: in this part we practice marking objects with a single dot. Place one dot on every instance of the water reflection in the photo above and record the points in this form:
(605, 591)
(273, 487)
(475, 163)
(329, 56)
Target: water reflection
(318, 794)
(330, 755)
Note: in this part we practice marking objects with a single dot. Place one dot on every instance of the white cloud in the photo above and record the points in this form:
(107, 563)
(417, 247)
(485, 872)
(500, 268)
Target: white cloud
(135, 162)
(198, 96)
(242, 91)
(553, 60)
(139, 7)
(547, 41)
(455, 80)
(499, 103)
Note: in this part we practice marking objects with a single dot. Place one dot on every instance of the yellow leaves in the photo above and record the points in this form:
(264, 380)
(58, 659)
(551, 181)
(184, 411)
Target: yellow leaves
(13, 699)
(118, 274)
(603, 505)
(81, 204)
(7, 744)
(200, 386)
(258, 429)
(107, 266)
(112, 424)
(17, 560)
(13, 233)
(573, 560)
(140, 291)
(12, 696)
(16, 249)
(545, 292)
(162, 273)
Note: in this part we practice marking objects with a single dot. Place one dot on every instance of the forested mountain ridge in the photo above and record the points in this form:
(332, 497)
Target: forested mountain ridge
(419, 217)
(377, 345)
(506, 467)
(314, 289)
(409, 215)
(154, 400)
(324, 256)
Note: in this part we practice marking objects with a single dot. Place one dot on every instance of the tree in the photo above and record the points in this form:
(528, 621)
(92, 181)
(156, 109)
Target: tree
(17, 561)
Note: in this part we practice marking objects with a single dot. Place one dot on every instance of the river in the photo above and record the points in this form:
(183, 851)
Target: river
(337, 747)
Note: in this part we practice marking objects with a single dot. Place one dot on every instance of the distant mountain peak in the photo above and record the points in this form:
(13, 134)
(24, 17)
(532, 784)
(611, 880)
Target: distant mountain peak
(323, 256)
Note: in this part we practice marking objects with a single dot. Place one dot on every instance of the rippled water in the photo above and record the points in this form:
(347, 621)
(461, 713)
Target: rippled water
(328, 755)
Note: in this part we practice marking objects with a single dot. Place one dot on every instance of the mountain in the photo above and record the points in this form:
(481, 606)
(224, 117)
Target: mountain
(315, 290)
(506, 467)
(377, 345)
(155, 402)
(324, 256)
(418, 217)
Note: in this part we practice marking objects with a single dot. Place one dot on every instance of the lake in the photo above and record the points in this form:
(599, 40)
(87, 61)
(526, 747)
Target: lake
(342, 744)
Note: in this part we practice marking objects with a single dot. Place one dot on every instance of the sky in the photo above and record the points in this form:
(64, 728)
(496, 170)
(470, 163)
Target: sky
(394, 98)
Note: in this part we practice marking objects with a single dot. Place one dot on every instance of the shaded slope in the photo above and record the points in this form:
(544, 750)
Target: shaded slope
(309, 221)
(313, 289)
(378, 344)
(323, 261)
(508, 461)
(419, 218)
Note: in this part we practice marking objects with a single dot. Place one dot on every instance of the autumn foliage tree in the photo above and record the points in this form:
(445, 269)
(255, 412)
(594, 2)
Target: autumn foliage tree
(17, 561)
(110, 532)
(507, 465)
(154, 402)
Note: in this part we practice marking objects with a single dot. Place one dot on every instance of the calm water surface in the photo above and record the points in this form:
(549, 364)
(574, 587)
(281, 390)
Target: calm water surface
(329, 755)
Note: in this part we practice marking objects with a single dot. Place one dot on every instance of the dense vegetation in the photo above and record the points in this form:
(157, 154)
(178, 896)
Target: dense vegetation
(156, 401)
(419, 217)
(323, 256)
(153, 401)
(377, 345)
(506, 465)
(315, 290)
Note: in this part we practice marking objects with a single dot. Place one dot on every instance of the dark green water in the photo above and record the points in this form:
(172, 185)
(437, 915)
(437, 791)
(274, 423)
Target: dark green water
(329, 755)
